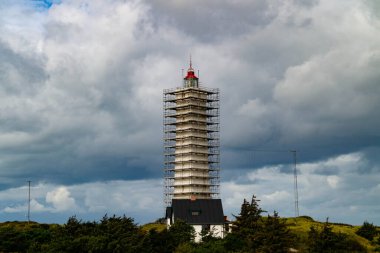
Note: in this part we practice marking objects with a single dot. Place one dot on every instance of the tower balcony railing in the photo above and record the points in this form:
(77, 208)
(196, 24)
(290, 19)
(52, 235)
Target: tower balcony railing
(190, 153)
(185, 112)
(187, 153)
(189, 97)
(168, 140)
(189, 169)
(191, 190)
(186, 182)
(190, 148)
(180, 136)
(199, 89)
(189, 143)
(190, 174)
(198, 142)
(189, 158)
(187, 162)
(191, 120)
(188, 112)
(198, 106)
(191, 129)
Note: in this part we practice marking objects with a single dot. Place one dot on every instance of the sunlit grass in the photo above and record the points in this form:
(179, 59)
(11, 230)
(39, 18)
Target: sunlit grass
(301, 226)
(158, 226)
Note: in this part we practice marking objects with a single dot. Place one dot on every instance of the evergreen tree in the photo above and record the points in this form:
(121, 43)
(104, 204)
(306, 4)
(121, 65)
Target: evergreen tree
(180, 233)
(249, 217)
(276, 235)
(367, 230)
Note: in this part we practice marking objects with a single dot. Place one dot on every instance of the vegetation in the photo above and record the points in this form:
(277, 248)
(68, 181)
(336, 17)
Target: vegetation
(368, 231)
(251, 232)
(326, 240)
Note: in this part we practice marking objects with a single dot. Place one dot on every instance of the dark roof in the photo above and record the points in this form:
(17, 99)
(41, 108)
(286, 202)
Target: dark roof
(200, 211)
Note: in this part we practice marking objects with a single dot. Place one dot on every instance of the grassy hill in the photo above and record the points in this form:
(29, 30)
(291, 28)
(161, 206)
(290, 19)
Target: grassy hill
(300, 227)
(157, 226)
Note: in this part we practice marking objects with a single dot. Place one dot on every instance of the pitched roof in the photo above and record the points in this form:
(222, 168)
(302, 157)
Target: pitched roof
(200, 211)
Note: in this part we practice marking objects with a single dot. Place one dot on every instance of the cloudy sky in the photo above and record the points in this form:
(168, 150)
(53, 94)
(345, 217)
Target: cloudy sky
(81, 103)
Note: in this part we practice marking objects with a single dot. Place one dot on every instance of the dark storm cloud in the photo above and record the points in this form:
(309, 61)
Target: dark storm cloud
(214, 20)
(80, 124)
(330, 102)
(81, 93)
(94, 106)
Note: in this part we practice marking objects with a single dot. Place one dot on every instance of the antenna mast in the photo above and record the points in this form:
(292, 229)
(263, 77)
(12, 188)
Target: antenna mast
(29, 200)
(296, 209)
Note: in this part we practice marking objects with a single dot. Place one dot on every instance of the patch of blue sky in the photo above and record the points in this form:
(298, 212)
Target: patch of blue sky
(43, 4)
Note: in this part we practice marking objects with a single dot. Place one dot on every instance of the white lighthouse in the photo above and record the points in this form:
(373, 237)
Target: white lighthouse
(191, 152)
(191, 141)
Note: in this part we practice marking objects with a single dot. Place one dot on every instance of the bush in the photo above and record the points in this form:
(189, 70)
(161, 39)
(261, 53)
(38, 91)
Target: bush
(367, 230)
(328, 241)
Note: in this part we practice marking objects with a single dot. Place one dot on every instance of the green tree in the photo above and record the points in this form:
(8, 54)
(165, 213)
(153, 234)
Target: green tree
(181, 232)
(367, 230)
(211, 246)
(111, 234)
(277, 238)
(12, 240)
(234, 242)
(185, 248)
(249, 225)
(155, 241)
(249, 219)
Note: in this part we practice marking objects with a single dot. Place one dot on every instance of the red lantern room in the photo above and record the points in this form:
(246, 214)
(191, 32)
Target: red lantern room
(191, 80)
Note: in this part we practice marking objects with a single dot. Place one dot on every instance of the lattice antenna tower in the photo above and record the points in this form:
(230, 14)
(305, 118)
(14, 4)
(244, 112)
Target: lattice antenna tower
(296, 209)
(28, 215)
(295, 176)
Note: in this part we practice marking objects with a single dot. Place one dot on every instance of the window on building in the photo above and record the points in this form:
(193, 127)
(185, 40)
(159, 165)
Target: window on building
(195, 212)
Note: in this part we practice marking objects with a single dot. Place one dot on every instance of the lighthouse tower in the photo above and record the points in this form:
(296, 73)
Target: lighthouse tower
(191, 141)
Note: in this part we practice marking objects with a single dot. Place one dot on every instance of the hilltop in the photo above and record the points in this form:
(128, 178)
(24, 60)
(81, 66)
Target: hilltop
(35, 237)
(300, 227)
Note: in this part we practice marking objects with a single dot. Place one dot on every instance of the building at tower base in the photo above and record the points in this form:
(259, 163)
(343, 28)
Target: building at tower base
(202, 214)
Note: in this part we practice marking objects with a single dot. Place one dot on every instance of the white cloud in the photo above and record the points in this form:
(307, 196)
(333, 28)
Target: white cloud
(333, 181)
(35, 206)
(321, 194)
(81, 88)
(277, 196)
(60, 199)
(121, 196)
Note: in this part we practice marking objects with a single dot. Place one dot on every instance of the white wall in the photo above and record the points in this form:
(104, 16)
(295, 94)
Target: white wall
(217, 231)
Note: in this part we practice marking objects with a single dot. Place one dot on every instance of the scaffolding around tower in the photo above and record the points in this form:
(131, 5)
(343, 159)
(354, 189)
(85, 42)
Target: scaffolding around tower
(191, 142)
